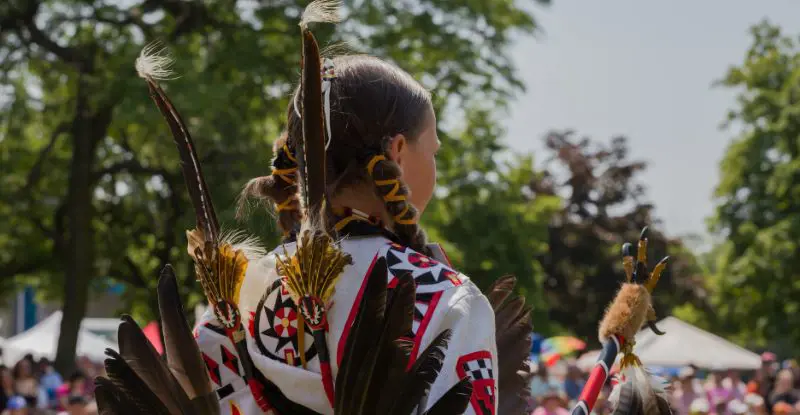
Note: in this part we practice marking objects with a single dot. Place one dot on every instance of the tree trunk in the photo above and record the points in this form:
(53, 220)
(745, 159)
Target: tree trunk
(86, 131)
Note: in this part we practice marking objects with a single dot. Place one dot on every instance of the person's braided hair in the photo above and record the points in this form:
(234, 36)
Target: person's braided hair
(371, 101)
(279, 188)
(385, 175)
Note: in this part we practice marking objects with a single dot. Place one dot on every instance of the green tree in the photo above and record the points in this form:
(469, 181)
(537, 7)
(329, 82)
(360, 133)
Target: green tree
(604, 207)
(90, 183)
(758, 215)
(488, 221)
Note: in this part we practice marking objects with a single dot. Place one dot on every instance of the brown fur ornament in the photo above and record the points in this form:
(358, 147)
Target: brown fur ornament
(637, 391)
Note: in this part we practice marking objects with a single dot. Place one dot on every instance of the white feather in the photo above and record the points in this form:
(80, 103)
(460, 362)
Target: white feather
(321, 11)
(154, 62)
(647, 384)
(248, 244)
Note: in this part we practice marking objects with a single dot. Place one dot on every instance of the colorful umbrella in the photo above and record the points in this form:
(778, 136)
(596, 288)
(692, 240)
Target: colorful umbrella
(553, 348)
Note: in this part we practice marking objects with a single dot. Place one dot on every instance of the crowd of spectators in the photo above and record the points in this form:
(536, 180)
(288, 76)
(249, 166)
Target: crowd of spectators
(773, 389)
(33, 387)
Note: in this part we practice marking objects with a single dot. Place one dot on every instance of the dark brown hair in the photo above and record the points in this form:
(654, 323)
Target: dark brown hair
(371, 102)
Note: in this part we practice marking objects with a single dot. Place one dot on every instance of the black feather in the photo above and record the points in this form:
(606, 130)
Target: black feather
(454, 401)
(143, 359)
(389, 356)
(183, 356)
(513, 337)
(131, 389)
(362, 340)
(110, 400)
(421, 376)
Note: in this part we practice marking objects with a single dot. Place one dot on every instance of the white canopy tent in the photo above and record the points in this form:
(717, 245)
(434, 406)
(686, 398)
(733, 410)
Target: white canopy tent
(41, 340)
(683, 345)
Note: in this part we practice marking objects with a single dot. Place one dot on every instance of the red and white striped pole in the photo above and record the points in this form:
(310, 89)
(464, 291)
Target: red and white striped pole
(598, 376)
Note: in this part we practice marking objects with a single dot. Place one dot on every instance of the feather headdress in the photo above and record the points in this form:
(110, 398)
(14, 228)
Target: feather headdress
(636, 391)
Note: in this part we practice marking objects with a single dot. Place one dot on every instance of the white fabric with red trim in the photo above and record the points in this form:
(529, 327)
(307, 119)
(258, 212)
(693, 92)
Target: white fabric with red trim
(445, 299)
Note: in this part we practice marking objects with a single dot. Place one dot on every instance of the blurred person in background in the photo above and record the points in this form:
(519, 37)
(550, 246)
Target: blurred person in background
(6, 386)
(755, 404)
(784, 408)
(784, 390)
(766, 374)
(717, 395)
(685, 391)
(699, 407)
(734, 385)
(552, 402)
(25, 384)
(541, 382)
(76, 405)
(573, 382)
(48, 383)
(17, 405)
(90, 371)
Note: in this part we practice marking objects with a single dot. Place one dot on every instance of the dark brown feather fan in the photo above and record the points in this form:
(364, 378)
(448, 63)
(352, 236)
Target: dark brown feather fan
(513, 335)
(374, 376)
(139, 382)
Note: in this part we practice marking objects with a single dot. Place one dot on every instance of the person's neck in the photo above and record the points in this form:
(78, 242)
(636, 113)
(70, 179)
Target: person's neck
(361, 199)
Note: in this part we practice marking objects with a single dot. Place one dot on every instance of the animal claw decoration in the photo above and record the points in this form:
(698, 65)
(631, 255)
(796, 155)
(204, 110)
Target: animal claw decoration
(318, 262)
(636, 391)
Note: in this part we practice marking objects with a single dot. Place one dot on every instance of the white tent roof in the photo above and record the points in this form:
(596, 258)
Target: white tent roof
(685, 344)
(41, 340)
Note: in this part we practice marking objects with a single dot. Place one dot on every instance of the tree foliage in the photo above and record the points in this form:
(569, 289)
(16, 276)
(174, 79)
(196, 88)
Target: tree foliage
(604, 206)
(757, 280)
(90, 183)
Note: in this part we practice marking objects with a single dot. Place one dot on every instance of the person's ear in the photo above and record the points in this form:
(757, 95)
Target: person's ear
(398, 148)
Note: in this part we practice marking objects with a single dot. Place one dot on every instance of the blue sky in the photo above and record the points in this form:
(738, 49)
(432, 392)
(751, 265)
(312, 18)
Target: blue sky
(645, 70)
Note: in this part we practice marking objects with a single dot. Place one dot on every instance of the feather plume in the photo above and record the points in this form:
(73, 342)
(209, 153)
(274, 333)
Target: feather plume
(139, 382)
(154, 62)
(142, 359)
(131, 388)
(321, 11)
(183, 357)
(513, 336)
(312, 147)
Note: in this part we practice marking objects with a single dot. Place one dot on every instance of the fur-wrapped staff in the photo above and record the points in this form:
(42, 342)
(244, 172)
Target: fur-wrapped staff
(636, 391)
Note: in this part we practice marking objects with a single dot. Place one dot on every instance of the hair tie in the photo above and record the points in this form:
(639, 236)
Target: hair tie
(373, 162)
(289, 153)
(328, 74)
